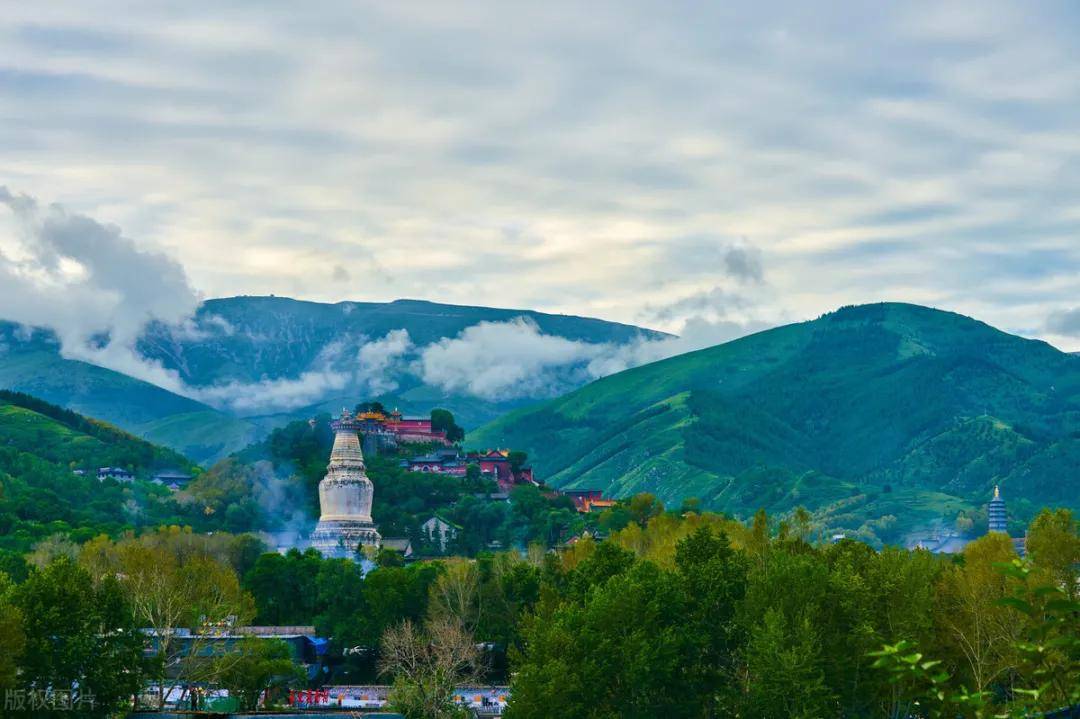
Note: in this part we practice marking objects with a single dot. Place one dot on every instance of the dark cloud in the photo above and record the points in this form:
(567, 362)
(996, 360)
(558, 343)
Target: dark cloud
(716, 302)
(1064, 322)
(709, 255)
(744, 263)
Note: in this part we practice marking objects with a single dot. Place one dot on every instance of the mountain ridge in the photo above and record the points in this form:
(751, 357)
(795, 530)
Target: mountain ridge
(238, 351)
(819, 411)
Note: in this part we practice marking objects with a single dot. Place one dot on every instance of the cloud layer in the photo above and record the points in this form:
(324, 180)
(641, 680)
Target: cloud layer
(88, 283)
(612, 161)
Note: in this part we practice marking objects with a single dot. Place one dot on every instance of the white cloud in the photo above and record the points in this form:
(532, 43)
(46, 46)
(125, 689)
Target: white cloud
(544, 156)
(509, 360)
(318, 382)
(501, 360)
(381, 361)
(88, 283)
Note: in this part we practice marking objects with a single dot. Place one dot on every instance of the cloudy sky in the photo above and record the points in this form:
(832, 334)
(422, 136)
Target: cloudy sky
(737, 164)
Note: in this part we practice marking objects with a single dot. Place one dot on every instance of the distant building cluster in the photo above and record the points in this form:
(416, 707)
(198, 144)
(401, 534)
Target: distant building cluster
(172, 478)
(118, 473)
(393, 426)
(494, 464)
(588, 500)
(953, 542)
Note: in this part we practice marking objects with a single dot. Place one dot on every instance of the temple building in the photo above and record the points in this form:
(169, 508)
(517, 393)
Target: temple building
(345, 495)
(995, 512)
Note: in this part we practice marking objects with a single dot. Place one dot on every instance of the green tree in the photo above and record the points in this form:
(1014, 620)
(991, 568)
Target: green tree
(621, 651)
(256, 666)
(443, 420)
(284, 586)
(785, 674)
(517, 460)
(645, 506)
(12, 636)
(389, 558)
(80, 637)
(714, 577)
(1053, 544)
(339, 588)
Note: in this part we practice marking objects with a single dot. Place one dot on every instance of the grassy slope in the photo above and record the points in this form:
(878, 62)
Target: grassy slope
(139, 407)
(203, 436)
(64, 438)
(930, 404)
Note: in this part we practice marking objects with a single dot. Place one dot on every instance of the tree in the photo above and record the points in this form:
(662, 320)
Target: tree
(623, 650)
(690, 504)
(443, 420)
(389, 558)
(1053, 544)
(517, 460)
(255, 667)
(370, 407)
(427, 664)
(172, 581)
(456, 594)
(12, 636)
(645, 506)
(80, 638)
(392, 595)
(714, 578)
(340, 600)
(981, 631)
(786, 678)
(284, 586)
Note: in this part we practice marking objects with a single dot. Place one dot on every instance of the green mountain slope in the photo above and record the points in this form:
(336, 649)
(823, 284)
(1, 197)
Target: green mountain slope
(40, 495)
(35, 367)
(871, 410)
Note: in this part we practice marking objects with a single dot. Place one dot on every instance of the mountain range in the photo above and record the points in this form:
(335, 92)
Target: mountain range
(876, 417)
(243, 365)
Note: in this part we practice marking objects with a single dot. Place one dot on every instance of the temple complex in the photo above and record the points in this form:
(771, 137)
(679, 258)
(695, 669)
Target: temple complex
(345, 495)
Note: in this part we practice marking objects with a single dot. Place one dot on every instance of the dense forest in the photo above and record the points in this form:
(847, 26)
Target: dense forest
(678, 614)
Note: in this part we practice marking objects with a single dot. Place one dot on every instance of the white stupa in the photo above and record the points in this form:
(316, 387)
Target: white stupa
(345, 495)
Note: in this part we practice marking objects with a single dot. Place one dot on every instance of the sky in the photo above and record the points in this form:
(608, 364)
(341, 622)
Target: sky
(726, 166)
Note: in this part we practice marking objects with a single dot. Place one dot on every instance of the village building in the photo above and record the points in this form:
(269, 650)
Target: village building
(588, 500)
(439, 532)
(118, 473)
(172, 478)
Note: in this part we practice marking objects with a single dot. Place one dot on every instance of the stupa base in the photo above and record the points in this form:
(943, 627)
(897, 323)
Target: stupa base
(339, 539)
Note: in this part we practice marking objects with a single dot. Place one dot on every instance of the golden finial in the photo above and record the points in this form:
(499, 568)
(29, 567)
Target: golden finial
(997, 492)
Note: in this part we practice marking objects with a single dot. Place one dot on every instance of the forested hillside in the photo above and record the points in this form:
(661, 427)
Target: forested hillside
(40, 495)
(878, 417)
